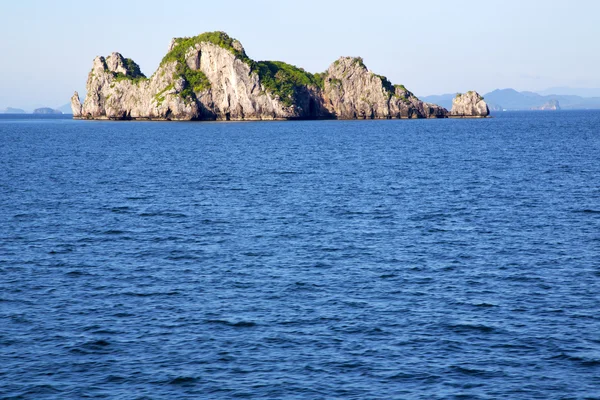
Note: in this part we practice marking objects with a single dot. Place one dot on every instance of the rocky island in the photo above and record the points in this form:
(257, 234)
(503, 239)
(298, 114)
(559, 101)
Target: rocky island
(469, 105)
(10, 110)
(46, 110)
(210, 77)
(551, 105)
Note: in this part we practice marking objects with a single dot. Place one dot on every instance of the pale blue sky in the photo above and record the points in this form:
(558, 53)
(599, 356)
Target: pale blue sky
(432, 47)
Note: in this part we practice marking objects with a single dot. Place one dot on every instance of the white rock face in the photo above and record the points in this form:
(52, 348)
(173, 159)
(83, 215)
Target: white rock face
(116, 63)
(76, 105)
(210, 81)
(353, 92)
(109, 97)
(172, 45)
(469, 105)
(236, 92)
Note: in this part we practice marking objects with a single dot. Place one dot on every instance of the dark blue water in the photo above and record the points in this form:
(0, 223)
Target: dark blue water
(301, 260)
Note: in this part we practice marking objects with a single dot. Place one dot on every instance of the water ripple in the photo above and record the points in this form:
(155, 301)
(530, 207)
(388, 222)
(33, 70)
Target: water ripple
(331, 259)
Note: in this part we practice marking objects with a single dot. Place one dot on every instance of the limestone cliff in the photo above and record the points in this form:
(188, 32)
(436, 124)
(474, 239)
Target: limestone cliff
(210, 77)
(469, 105)
(76, 106)
(551, 105)
(351, 91)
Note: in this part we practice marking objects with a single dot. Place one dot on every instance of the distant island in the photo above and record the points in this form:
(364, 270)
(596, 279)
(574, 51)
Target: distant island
(46, 110)
(512, 100)
(10, 110)
(210, 77)
(64, 109)
(551, 105)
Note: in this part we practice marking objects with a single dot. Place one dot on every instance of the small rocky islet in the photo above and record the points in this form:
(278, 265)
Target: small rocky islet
(210, 77)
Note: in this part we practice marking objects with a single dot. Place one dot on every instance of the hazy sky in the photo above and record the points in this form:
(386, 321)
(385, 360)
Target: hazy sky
(432, 47)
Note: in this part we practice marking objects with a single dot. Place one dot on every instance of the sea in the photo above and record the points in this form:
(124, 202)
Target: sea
(390, 259)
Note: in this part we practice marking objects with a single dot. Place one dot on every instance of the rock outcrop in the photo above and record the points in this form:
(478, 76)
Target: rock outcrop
(551, 105)
(10, 110)
(351, 91)
(210, 77)
(117, 90)
(76, 106)
(46, 110)
(469, 105)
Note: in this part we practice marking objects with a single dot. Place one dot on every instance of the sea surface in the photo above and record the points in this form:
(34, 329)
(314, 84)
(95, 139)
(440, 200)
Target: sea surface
(427, 259)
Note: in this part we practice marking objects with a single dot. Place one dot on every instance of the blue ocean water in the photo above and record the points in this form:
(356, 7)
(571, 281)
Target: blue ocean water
(425, 259)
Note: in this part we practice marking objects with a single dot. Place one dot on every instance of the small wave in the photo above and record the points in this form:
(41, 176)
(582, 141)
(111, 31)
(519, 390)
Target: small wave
(256, 254)
(66, 250)
(286, 173)
(99, 343)
(20, 319)
(304, 286)
(348, 365)
(330, 249)
(347, 212)
(474, 371)
(39, 390)
(138, 198)
(92, 347)
(123, 315)
(121, 210)
(178, 255)
(115, 378)
(163, 214)
(581, 359)
(183, 380)
(240, 324)
(356, 304)
(113, 232)
(587, 211)
(77, 273)
(417, 377)
(436, 230)
(522, 278)
(429, 216)
(151, 294)
(159, 239)
(464, 327)
(24, 216)
(484, 305)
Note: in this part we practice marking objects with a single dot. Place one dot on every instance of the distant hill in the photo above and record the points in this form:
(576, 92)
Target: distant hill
(552, 105)
(510, 99)
(10, 110)
(46, 110)
(65, 109)
(444, 100)
(568, 91)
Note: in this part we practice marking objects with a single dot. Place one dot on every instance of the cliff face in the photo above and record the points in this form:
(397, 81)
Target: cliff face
(116, 90)
(197, 80)
(351, 91)
(552, 105)
(210, 77)
(469, 105)
(235, 91)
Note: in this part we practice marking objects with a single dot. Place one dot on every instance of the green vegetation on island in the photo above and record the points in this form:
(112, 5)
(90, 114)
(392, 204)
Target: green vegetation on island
(221, 39)
(284, 80)
(279, 78)
(134, 73)
(240, 88)
(197, 80)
